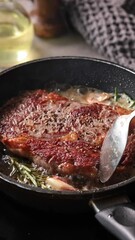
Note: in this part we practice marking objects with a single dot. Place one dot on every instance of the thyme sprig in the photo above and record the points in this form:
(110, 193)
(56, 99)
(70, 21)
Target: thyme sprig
(116, 95)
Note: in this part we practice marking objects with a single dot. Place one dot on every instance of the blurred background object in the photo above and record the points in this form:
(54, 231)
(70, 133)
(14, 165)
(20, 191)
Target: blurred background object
(47, 17)
(16, 33)
(107, 26)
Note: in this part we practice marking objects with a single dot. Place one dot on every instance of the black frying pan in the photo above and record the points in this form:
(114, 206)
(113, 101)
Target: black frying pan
(66, 72)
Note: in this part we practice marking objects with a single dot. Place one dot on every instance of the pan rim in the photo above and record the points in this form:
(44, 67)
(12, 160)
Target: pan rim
(92, 192)
(67, 58)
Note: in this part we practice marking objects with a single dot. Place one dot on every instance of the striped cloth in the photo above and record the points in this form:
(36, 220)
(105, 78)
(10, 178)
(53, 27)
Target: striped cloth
(107, 25)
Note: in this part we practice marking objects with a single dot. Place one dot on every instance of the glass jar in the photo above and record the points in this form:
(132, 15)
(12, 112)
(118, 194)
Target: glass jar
(16, 33)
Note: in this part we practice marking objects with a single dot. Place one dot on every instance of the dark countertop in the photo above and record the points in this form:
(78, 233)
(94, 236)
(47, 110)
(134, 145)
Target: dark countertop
(23, 223)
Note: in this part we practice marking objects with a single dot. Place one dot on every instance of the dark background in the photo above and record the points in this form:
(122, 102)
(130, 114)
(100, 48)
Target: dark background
(18, 222)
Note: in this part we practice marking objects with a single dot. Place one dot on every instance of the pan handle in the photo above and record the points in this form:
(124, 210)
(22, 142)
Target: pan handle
(119, 220)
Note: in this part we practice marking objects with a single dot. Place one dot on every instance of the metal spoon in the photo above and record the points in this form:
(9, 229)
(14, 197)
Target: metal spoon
(113, 146)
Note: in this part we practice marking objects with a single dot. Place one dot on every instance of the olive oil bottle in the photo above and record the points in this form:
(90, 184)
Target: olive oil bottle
(16, 33)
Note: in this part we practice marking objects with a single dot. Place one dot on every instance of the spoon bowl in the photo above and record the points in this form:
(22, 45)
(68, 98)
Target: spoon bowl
(114, 145)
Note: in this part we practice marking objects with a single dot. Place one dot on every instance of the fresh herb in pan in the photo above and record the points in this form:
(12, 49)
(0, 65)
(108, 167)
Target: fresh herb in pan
(35, 176)
(123, 100)
(116, 95)
(28, 174)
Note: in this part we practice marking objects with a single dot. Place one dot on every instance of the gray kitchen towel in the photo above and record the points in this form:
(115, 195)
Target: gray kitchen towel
(107, 25)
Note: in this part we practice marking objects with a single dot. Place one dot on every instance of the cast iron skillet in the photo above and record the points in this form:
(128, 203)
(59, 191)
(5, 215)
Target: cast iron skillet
(68, 71)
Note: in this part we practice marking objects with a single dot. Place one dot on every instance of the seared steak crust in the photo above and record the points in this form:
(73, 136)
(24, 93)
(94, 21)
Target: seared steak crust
(63, 136)
(58, 156)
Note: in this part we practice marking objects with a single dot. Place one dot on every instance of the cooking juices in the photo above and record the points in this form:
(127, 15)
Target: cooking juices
(16, 34)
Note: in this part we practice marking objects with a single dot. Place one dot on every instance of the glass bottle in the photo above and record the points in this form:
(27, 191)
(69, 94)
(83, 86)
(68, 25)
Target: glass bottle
(16, 33)
(48, 18)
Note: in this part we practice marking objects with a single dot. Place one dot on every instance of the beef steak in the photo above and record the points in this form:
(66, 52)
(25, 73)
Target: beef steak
(61, 135)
